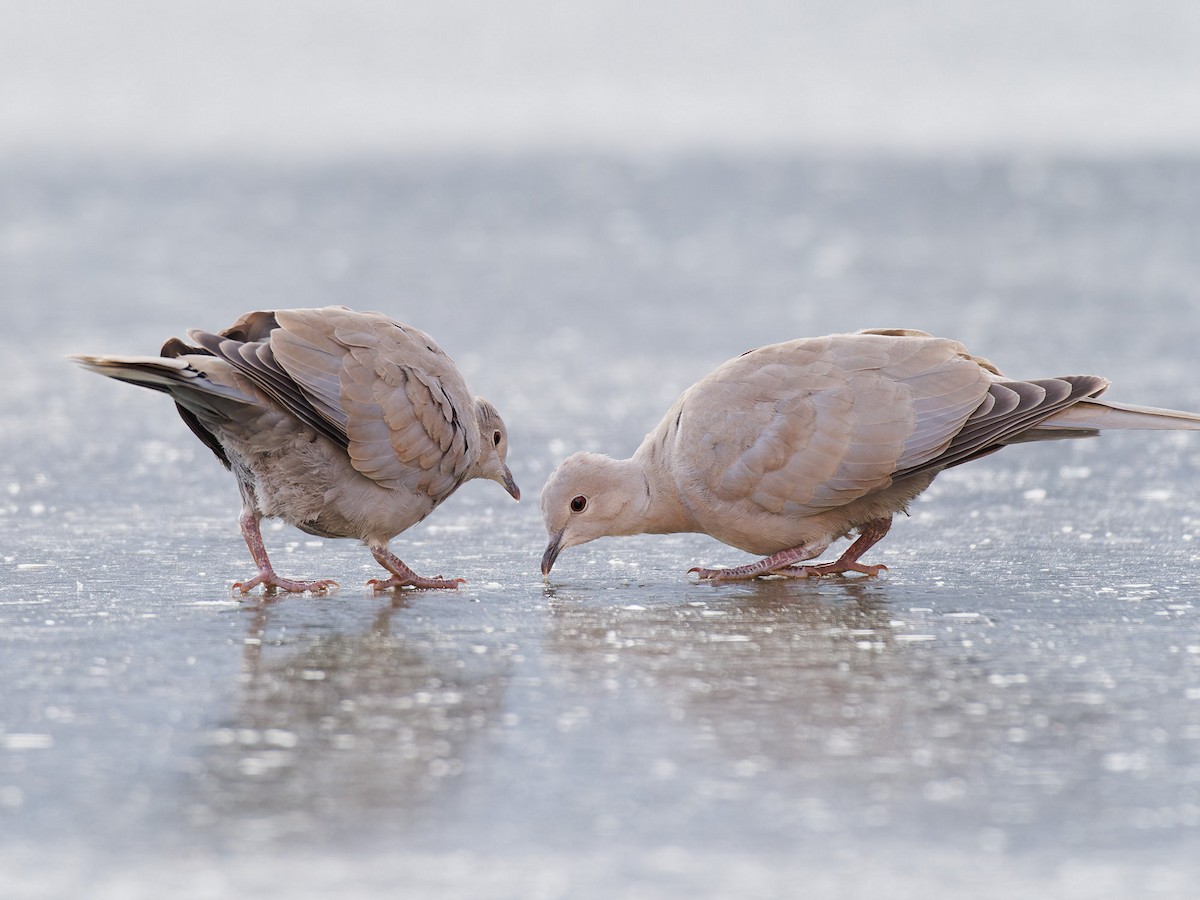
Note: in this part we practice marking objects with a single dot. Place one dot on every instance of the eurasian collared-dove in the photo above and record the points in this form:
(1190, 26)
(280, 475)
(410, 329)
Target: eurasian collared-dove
(342, 423)
(789, 447)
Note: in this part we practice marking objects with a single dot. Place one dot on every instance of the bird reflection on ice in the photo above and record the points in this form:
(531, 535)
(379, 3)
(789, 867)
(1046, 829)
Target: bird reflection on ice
(339, 729)
(830, 711)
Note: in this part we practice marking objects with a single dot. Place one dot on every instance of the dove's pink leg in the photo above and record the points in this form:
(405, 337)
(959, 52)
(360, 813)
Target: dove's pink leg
(403, 576)
(868, 536)
(783, 562)
(266, 573)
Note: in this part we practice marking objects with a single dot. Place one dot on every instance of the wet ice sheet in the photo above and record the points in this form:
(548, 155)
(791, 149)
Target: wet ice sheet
(1011, 708)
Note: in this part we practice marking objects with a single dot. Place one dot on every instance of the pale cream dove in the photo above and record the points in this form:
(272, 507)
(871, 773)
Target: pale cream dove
(792, 446)
(341, 423)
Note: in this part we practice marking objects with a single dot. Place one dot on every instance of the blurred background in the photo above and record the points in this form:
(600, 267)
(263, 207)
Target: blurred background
(590, 205)
(314, 79)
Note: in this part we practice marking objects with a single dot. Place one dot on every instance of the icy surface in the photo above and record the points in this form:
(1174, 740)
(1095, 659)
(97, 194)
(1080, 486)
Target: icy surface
(1012, 710)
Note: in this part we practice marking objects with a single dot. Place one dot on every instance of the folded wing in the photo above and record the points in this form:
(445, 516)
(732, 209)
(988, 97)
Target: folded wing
(383, 391)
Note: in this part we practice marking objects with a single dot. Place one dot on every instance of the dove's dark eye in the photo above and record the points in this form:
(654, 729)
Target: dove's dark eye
(496, 438)
(579, 504)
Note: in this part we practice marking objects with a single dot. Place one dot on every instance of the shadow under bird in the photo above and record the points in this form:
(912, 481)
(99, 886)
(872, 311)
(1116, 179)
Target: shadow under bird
(341, 423)
(792, 446)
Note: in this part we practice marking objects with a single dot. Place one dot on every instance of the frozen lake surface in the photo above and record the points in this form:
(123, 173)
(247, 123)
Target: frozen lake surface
(1012, 710)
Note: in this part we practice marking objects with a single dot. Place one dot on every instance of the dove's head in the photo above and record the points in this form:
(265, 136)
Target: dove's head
(591, 496)
(493, 460)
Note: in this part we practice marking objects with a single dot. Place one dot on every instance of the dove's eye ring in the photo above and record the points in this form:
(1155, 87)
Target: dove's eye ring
(496, 438)
(579, 504)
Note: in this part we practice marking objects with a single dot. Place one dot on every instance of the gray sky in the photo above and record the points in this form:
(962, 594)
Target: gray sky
(313, 78)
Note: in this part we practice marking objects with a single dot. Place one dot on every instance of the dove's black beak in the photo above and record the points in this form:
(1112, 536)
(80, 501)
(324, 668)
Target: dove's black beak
(510, 485)
(551, 553)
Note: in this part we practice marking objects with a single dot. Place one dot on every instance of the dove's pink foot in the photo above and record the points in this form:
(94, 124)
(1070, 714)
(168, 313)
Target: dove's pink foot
(266, 573)
(783, 563)
(781, 560)
(403, 576)
(272, 582)
(834, 568)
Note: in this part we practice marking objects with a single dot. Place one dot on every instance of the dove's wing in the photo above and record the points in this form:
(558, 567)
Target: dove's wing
(806, 426)
(1009, 414)
(247, 345)
(383, 391)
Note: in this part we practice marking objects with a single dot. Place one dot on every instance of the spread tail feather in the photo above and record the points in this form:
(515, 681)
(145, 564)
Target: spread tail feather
(200, 399)
(191, 388)
(1097, 414)
(154, 372)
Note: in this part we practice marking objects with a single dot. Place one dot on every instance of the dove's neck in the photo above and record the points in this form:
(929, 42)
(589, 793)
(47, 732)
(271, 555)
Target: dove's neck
(663, 512)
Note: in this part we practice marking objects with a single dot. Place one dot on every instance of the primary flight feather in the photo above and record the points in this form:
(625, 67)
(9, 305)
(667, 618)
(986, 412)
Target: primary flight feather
(787, 448)
(342, 423)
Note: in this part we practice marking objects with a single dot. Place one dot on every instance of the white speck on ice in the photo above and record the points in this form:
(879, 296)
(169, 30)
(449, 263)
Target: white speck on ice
(279, 738)
(19, 741)
(1124, 762)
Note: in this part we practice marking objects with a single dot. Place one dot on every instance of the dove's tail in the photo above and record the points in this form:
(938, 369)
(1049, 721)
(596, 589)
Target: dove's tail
(200, 399)
(153, 372)
(1095, 414)
(191, 388)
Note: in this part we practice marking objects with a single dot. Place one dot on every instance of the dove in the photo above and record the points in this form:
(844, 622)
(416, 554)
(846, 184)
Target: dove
(341, 423)
(790, 447)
